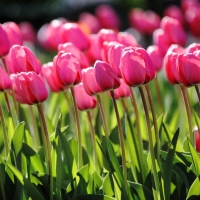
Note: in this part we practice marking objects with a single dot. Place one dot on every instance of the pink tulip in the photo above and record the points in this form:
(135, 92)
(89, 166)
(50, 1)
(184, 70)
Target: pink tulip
(107, 17)
(69, 47)
(174, 31)
(185, 4)
(68, 68)
(114, 56)
(4, 41)
(28, 32)
(22, 59)
(156, 56)
(49, 74)
(127, 39)
(72, 33)
(5, 82)
(13, 32)
(122, 91)
(192, 48)
(89, 82)
(197, 139)
(105, 49)
(29, 88)
(105, 76)
(83, 100)
(136, 66)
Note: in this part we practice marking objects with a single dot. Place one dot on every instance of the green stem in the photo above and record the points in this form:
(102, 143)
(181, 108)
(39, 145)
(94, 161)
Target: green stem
(80, 161)
(188, 111)
(47, 144)
(197, 91)
(2, 186)
(155, 124)
(4, 131)
(103, 116)
(154, 171)
(137, 119)
(158, 93)
(121, 139)
(93, 141)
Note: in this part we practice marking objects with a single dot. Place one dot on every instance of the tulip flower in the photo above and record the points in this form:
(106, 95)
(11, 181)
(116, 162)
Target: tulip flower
(69, 47)
(22, 59)
(89, 81)
(127, 39)
(197, 139)
(192, 48)
(185, 4)
(68, 68)
(70, 32)
(4, 41)
(105, 76)
(5, 82)
(29, 88)
(13, 32)
(83, 100)
(27, 31)
(123, 91)
(49, 74)
(136, 66)
(156, 56)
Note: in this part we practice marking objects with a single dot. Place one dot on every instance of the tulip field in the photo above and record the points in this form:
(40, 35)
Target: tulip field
(88, 111)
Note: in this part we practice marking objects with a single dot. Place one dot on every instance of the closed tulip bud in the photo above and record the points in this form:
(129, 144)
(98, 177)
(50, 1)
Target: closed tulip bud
(72, 33)
(136, 66)
(5, 82)
(105, 76)
(13, 32)
(127, 39)
(4, 41)
(114, 56)
(188, 69)
(49, 74)
(68, 69)
(89, 81)
(69, 47)
(156, 56)
(29, 88)
(28, 32)
(197, 139)
(105, 49)
(83, 100)
(22, 59)
(123, 91)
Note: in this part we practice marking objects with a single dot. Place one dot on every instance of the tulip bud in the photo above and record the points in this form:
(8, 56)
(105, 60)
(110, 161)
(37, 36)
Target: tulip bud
(5, 82)
(105, 49)
(4, 41)
(54, 83)
(197, 139)
(29, 88)
(83, 100)
(105, 76)
(27, 31)
(89, 81)
(68, 69)
(127, 39)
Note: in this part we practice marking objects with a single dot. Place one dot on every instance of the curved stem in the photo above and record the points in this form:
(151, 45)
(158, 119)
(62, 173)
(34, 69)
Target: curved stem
(80, 161)
(197, 91)
(47, 144)
(158, 93)
(155, 124)
(103, 116)
(93, 140)
(188, 111)
(4, 131)
(137, 118)
(154, 171)
(121, 139)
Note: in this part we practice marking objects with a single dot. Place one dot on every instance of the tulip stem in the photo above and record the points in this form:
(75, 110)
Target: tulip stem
(93, 140)
(80, 161)
(137, 119)
(47, 145)
(4, 131)
(154, 171)
(71, 114)
(155, 124)
(103, 116)
(197, 91)
(158, 93)
(121, 139)
(188, 111)
(5, 66)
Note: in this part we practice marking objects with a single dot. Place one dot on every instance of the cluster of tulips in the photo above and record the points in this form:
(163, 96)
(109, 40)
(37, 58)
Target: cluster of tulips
(90, 64)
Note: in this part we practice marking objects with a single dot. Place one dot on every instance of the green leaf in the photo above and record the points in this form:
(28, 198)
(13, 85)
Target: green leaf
(167, 168)
(83, 173)
(195, 157)
(93, 196)
(194, 192)
(197, 120)
(108, 185)
(28, 186)
(18, 137)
